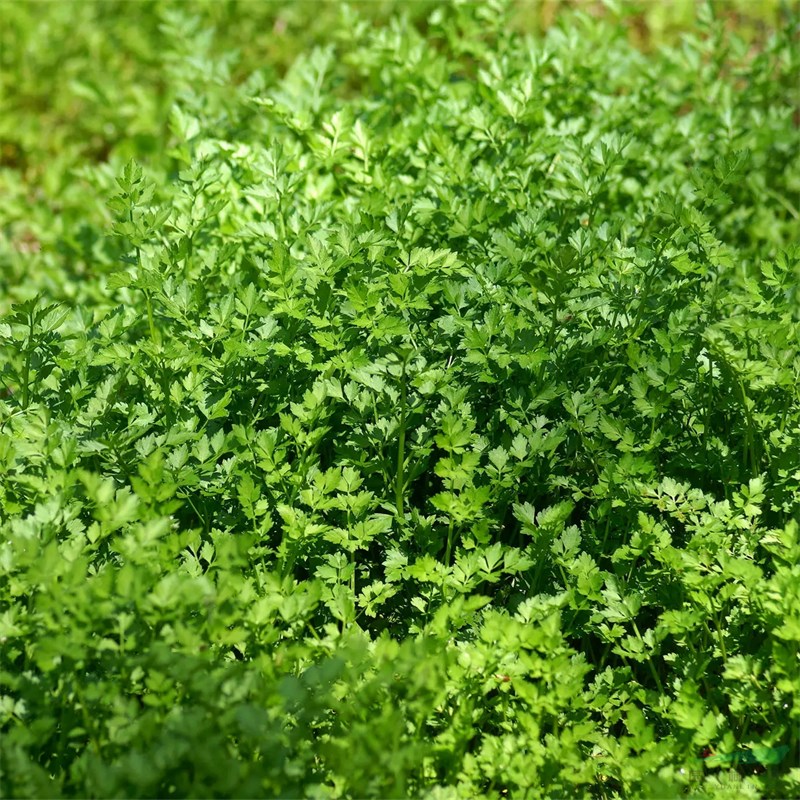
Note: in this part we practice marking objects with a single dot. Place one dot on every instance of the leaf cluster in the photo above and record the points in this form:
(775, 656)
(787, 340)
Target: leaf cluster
(428, 424)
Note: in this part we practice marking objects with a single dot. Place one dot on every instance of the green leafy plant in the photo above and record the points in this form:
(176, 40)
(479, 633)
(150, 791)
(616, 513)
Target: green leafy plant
(420, 421)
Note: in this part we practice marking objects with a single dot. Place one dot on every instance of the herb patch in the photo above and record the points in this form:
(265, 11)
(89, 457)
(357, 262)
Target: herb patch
(423, 421)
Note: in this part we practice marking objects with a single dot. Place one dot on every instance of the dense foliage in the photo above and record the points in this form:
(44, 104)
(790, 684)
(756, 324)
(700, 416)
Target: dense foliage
(424, 421)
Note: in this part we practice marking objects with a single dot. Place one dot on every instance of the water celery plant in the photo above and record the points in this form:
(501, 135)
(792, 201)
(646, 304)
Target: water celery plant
(418, 419)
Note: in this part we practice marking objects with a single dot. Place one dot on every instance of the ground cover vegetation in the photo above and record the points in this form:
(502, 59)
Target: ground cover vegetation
(416, 418)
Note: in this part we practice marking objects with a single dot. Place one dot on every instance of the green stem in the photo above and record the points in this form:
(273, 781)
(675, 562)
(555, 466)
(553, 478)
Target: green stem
(650, 663)
(352, 558)
(750, 437)
(150, 317)
(450, 529)
(26, 375)
(26, 378)
(87, 722)
(721, 638)
(401, 446)
(449, 549)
